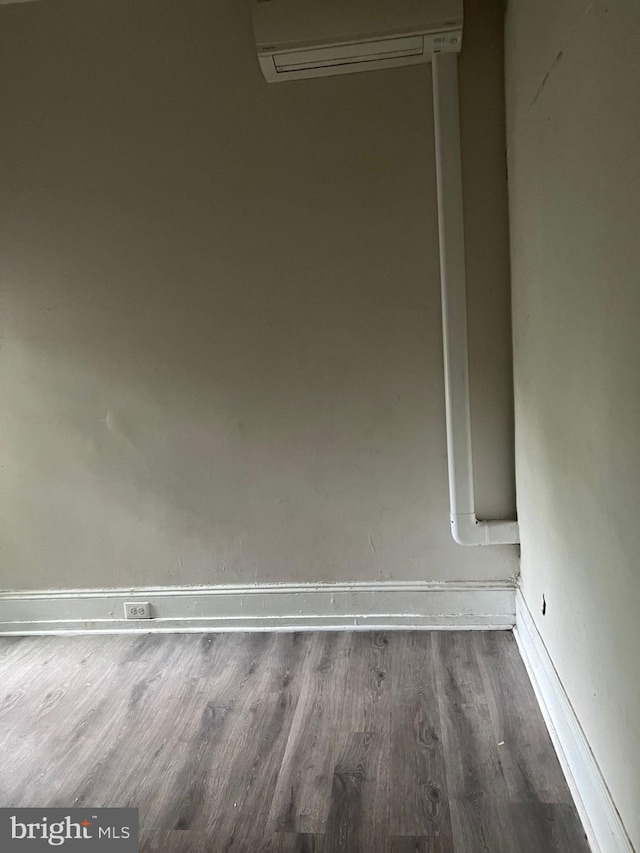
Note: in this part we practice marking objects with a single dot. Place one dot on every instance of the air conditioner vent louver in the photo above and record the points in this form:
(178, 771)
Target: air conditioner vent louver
(345, 54)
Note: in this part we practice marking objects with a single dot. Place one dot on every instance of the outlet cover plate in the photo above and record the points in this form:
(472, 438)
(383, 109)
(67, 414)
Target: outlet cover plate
(137, 610)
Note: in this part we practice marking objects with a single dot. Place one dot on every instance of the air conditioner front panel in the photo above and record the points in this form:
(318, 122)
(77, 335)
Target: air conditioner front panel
(349, 59)
(316, 38)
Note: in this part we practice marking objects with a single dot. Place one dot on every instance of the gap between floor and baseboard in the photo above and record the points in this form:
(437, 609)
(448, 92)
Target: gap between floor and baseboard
(481, 605)
(600, 819)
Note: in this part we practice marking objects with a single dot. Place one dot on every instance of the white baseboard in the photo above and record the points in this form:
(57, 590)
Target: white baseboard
(602, 824)
(285, 607)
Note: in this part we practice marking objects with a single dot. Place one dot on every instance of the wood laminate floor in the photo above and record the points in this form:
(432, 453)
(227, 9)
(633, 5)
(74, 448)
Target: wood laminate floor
(377, 742)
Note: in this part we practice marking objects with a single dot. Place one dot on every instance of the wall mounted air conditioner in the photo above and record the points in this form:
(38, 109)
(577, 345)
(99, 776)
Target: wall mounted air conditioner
(317, 38)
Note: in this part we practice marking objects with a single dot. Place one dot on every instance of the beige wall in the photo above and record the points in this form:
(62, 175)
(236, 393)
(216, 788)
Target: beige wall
(221, 335)
(573, 96)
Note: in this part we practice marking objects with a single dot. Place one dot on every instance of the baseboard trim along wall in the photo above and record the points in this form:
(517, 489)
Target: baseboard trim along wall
(602, 824)
(478, 605)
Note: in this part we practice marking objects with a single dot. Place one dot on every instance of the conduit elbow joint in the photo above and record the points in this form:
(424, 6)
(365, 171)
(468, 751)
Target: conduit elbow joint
(467, 530)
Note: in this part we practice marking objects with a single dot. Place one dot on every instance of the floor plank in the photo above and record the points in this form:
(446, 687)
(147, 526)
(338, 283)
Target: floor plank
(421, 802)
(518, 727)
(478, 794)
(344, 830)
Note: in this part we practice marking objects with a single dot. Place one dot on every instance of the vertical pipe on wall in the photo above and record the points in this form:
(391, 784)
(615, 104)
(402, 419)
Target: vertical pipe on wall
(465, 527)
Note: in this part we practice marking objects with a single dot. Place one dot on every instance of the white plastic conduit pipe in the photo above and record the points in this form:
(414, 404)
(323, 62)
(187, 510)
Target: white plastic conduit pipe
(465, 527)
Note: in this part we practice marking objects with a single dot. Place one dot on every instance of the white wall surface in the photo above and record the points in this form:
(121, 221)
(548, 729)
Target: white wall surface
(573, 131)
(221, 332)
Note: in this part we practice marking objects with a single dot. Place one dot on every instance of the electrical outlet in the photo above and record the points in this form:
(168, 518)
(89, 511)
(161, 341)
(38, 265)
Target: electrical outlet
(137, 610)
